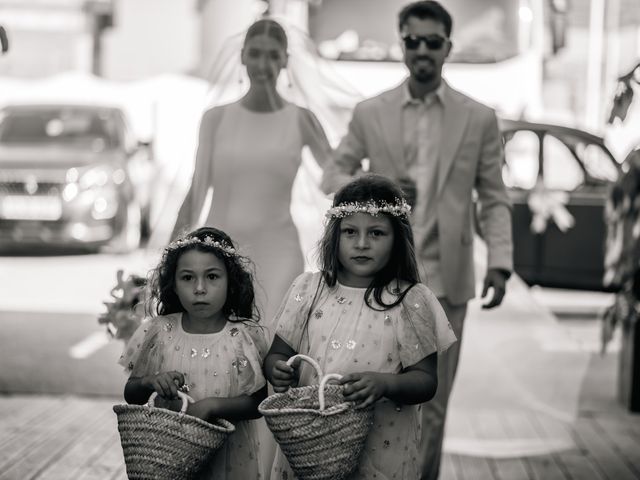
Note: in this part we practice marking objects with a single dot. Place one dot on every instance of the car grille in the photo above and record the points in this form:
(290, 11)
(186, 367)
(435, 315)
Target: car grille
(30, 188)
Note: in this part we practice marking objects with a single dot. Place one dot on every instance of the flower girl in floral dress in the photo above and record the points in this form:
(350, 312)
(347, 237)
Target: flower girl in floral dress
(206, 341)
(366, 316)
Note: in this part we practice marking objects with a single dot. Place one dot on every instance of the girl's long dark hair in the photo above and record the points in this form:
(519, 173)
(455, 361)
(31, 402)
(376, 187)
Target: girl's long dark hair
(402, 265)
(240, 301)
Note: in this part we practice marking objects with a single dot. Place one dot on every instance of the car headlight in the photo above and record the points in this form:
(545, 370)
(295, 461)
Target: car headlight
(95, 190)
(105, 205)
(96, 177)
(70, 192)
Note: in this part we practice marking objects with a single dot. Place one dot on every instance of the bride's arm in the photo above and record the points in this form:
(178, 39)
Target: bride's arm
(202, 175)
(314, 136)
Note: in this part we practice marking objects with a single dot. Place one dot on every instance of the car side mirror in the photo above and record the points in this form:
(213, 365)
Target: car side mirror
(146, 145)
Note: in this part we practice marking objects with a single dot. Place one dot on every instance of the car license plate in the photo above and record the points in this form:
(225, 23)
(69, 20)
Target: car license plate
(23, 207)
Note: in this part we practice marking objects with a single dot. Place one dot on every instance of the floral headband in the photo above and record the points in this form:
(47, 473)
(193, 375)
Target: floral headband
(398, 209)
(227, 250)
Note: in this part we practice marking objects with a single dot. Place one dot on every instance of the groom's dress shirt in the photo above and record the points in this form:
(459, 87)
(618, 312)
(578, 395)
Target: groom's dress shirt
(422, 126)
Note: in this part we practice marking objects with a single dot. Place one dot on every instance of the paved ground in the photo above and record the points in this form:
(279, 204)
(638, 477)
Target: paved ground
(533, 400)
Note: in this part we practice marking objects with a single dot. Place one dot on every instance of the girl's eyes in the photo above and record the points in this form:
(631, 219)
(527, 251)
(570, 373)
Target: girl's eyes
(188, 277)
(373, 233)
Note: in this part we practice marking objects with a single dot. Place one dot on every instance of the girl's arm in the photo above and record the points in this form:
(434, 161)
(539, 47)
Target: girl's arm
(138, 389)
(276, 370)
(242, 407)
(415, 384)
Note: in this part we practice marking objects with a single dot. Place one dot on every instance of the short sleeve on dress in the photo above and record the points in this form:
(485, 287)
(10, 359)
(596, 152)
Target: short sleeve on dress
(422, 327)
(250, 345)
(137, 358)
(292, 315)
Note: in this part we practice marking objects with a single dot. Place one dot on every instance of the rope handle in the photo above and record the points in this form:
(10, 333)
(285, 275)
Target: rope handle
(186, 400)
(307, 359)
(323, 382)
(324, 378)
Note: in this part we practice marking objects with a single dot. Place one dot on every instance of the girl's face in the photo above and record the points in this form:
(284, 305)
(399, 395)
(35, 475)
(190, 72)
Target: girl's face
(264, 57)
(201, 284)
(365, 248)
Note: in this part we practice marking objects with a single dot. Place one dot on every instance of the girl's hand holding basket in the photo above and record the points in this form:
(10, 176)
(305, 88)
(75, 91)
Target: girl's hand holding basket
(285, 374)
(364, 389)
(165, 384)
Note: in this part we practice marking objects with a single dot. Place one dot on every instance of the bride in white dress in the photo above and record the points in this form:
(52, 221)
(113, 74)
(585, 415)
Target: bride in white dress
(249, 152)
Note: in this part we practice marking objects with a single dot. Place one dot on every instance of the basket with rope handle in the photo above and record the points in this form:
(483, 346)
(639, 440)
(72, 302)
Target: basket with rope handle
(162, 444)
(320, 434)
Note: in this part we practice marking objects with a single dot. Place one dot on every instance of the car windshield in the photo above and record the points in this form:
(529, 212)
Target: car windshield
(484, 31)
(569, 161)
(94, 129)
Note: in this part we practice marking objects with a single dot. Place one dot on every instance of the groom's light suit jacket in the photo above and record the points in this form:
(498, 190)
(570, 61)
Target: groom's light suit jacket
(471, 157)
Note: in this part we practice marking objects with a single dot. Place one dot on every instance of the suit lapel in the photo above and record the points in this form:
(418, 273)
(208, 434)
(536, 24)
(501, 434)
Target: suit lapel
(390, 120)
(455, 121)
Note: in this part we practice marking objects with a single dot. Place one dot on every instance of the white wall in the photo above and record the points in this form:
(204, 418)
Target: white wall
(151, 37)
(221, 19)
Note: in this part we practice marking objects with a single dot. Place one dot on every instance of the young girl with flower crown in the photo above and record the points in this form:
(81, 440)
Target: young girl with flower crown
(366, 316)
(205, 340)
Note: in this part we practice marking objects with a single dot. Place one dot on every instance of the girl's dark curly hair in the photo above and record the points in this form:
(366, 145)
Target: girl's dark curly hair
(402, 262)
(240, 301)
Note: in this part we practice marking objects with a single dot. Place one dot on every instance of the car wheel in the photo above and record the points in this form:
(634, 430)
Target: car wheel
(128, 239)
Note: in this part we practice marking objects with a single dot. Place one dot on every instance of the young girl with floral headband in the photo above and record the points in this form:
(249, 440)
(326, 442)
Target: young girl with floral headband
(206, 341)
(366, 316)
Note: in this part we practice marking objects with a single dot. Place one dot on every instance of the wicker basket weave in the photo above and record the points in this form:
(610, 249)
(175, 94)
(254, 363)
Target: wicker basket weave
(321, 435)
(165, 445)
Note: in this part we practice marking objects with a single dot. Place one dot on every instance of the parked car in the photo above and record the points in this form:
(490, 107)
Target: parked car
(553, 162)
(72, 175)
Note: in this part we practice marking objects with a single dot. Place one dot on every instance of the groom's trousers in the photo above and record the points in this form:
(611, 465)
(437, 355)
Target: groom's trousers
(434, 412)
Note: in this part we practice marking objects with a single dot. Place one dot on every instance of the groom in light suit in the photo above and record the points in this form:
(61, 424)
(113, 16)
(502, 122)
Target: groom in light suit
(441, 146)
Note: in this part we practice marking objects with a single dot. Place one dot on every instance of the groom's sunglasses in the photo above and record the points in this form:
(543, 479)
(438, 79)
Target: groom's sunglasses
(433, 42)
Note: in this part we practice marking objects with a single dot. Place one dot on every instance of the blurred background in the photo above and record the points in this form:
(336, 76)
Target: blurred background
(118, 87)
(100, 102)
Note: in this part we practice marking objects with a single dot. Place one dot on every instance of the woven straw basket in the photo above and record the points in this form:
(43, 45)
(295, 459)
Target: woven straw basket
(165, 445)
(321, 435)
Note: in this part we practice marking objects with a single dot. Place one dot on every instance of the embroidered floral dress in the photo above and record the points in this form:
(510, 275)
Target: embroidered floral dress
(345, 336)
(223, 364)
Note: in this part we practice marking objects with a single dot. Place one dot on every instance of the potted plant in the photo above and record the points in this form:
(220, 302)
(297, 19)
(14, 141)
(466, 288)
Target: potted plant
(622, 270)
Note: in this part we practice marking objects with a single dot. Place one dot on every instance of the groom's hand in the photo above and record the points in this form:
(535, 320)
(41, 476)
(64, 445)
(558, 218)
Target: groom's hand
(496, 280)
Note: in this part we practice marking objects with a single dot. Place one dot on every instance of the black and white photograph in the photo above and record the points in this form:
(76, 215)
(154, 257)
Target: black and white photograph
(319, 239)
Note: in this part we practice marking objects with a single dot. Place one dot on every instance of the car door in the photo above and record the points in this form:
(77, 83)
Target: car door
(582, 170)
(572, 171)
(520, 171)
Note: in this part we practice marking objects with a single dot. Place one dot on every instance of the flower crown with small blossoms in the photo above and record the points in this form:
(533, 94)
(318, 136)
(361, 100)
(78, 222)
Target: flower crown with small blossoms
(398, 209)
(226, 250)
